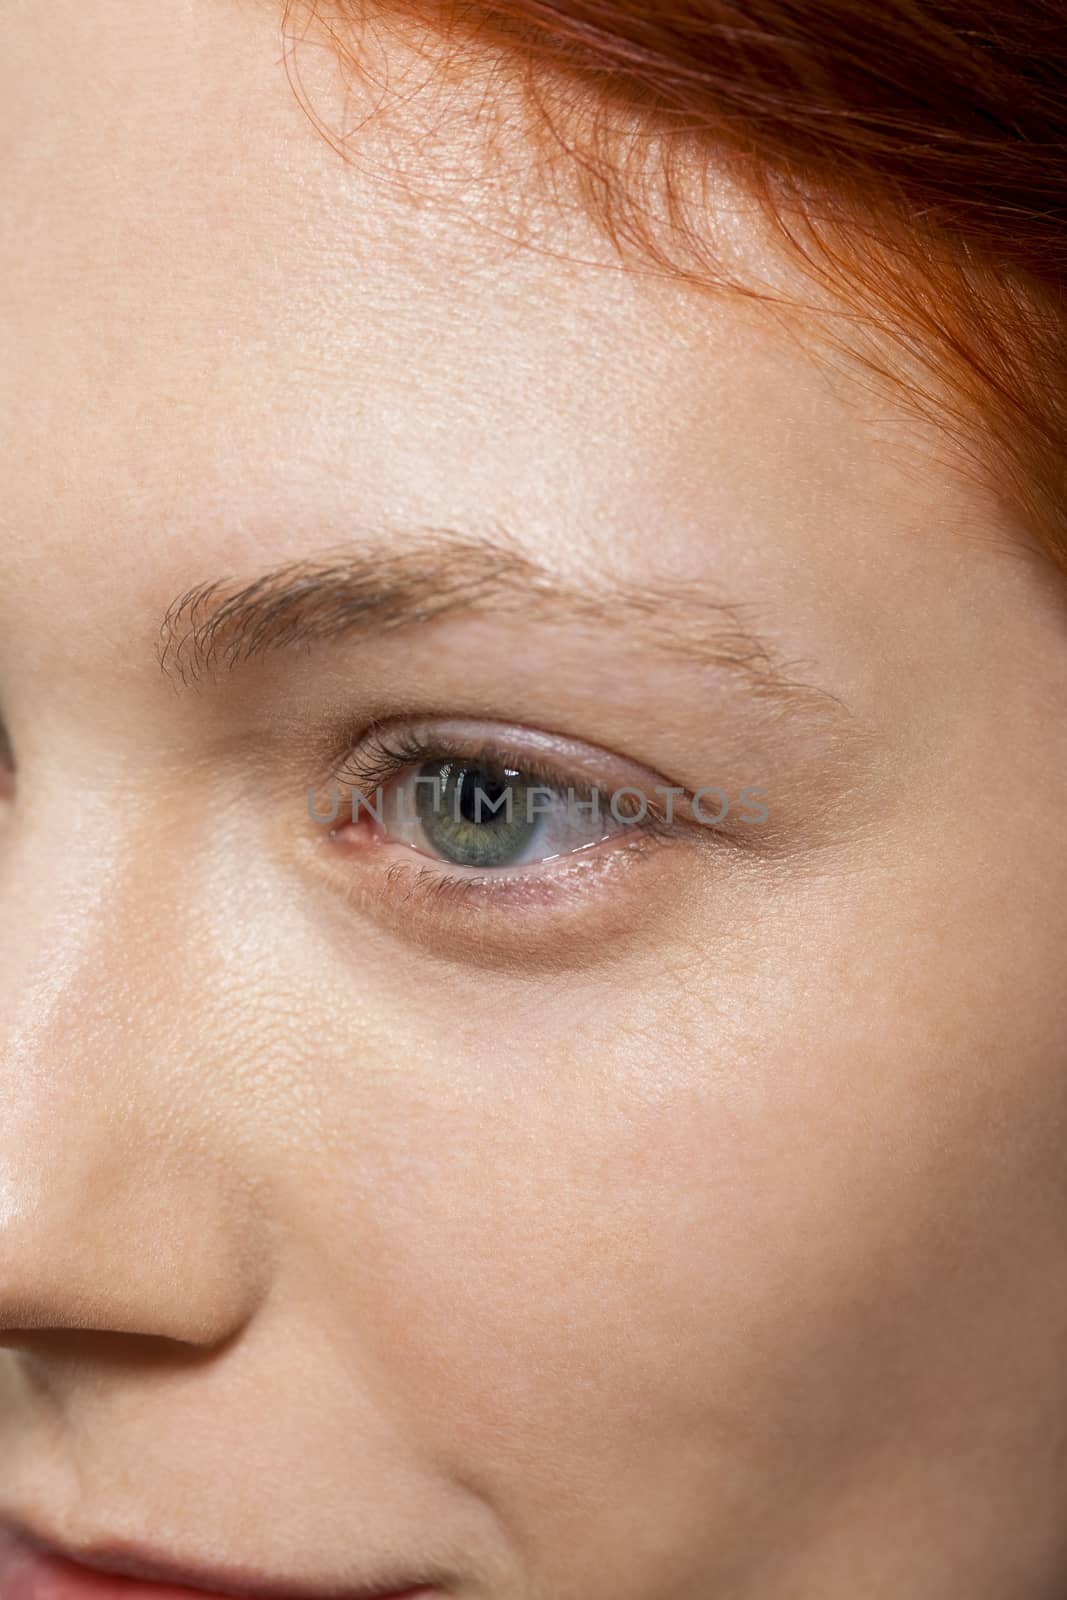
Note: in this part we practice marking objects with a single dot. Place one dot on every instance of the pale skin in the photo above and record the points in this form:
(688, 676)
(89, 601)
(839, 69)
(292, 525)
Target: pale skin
(689, 1222)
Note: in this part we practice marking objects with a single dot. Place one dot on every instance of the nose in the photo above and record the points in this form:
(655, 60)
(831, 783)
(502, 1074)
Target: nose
(122, 1207)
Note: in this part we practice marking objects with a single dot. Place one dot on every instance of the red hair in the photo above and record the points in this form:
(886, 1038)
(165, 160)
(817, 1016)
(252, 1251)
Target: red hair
(912, 153)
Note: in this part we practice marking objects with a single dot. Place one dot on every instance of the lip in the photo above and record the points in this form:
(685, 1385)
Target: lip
(35, 1567)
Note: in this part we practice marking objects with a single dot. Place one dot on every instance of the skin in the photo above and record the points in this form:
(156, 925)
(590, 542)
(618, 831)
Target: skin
(689, 1224)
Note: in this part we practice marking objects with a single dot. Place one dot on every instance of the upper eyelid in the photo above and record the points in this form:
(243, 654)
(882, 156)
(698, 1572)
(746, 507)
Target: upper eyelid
(507, 743)
(551, 775)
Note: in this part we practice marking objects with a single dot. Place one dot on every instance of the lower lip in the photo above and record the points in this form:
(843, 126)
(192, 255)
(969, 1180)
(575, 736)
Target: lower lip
(25, 1574)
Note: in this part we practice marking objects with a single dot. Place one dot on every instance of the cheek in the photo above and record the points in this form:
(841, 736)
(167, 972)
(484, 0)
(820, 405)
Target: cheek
(588, 1281)
(712, 1245)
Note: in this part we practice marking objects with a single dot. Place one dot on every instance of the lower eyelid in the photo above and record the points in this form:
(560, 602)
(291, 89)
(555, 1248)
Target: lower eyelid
(573, 914)
(360, 840)
(535, 883)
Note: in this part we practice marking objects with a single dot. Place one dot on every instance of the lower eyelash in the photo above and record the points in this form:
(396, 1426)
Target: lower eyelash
(454, 887)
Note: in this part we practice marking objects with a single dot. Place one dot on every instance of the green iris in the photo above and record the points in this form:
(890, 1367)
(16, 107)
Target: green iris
(474, 815)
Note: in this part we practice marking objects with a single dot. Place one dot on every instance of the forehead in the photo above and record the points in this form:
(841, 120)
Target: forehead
(230, 344)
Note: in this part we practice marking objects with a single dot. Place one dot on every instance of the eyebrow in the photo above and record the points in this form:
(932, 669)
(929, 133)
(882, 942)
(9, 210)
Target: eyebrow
(364, 590)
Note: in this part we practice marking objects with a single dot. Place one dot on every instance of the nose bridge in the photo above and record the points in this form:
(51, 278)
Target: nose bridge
(119, 1208)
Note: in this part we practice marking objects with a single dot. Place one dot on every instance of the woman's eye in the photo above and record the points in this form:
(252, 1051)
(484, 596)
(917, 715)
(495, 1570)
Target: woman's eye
(486, 841)
(485, 815)
(490, 800)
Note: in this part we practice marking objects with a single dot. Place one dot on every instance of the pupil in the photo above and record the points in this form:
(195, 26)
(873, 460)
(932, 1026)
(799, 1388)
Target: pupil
(479, 794)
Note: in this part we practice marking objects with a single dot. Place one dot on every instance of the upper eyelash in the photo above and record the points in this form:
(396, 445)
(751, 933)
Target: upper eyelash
(383, 753)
